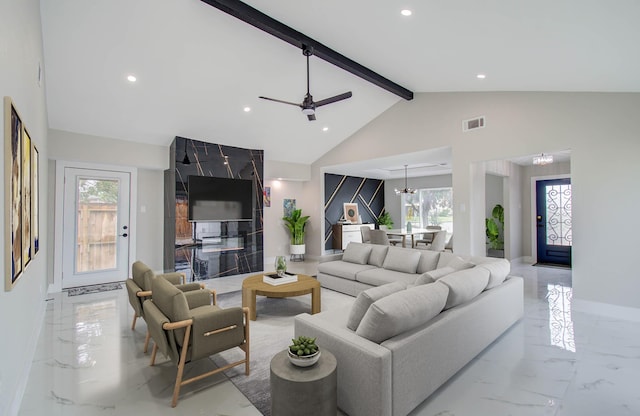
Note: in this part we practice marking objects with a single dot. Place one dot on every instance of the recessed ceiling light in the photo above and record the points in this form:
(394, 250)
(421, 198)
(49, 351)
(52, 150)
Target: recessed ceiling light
(132, 78)
(481, 76)
(247, 109)
(325, 128)
(406, 12)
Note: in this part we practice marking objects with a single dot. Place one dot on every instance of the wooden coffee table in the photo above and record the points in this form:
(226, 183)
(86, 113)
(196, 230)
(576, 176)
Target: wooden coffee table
(253, 286)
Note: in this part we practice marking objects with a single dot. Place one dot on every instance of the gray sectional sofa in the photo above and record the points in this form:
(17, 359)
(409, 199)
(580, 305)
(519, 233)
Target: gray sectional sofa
(418, 318)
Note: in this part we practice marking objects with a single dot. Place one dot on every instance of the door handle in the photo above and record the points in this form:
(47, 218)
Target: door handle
(124, 235)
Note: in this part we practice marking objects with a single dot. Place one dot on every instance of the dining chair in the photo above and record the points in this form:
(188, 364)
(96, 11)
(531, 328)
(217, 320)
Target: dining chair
(439, 241)
(379, 237)
(366, 234)
(427, 238)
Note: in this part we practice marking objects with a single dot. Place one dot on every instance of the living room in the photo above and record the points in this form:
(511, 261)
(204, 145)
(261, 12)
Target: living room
(597, 127)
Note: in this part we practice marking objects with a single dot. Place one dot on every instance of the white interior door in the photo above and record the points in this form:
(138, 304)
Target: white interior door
(95, 237)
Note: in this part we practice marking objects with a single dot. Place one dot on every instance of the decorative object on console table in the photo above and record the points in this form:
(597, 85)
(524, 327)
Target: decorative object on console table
(351, 212)
(296, 224)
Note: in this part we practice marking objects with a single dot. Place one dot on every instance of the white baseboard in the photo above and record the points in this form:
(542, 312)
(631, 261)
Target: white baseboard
(605, 309)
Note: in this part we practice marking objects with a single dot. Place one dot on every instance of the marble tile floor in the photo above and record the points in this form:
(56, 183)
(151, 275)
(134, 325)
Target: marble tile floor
(553, 362)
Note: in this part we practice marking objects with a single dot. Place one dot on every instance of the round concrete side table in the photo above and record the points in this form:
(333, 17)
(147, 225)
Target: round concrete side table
(304, 390)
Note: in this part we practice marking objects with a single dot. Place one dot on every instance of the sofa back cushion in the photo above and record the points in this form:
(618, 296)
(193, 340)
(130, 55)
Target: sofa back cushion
(357, 253)
(464, 285)
(433, 275)
(498, 271)
(366, 298)
(378, 254)
(402, 260)
(402, 311)
(454, 261)
(428, 261)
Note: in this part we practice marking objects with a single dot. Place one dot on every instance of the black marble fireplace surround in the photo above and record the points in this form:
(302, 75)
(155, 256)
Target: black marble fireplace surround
(210, 249)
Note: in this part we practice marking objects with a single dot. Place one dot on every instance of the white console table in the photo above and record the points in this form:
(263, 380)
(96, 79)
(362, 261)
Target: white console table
(343, 234)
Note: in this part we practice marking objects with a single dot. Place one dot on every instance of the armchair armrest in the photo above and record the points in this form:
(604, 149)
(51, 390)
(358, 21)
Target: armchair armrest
(188, 287)
(217, 330)
(197, 298)
(176, 278)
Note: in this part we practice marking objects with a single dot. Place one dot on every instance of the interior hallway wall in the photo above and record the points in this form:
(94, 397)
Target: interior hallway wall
(22, 308)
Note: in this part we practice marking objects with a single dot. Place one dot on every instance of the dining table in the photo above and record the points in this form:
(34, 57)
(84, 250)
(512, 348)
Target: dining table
(404, 233)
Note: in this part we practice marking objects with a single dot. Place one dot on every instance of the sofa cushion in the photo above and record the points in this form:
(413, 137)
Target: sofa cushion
(428, 261)
(343, 269)
(498, 271)
(378, 254)
(402, 260)
(464, 285)
(357, 253)
(378, 277)
(366, 298)
(434, 275)
(402, 311)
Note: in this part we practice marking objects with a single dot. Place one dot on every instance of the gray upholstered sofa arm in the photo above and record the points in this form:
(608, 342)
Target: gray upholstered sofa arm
(364, 367)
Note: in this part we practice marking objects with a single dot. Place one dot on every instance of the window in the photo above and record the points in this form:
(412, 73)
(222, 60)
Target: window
(429, 207)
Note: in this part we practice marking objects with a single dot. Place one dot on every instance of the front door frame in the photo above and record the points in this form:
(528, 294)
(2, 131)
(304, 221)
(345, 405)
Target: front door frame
(532, 217)
(61, 165)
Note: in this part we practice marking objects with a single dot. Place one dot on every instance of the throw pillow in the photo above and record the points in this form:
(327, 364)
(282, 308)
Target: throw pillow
(357, 253)
(378, 253)
(464, 285)
(458, 263)
(402, 260)
(423, 279)
(366, 298)
(402, 311)
(498, 271)
(441, 272)
(428, 261)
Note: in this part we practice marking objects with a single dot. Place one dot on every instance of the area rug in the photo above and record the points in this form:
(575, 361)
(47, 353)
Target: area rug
(269, 334)
(84, 290)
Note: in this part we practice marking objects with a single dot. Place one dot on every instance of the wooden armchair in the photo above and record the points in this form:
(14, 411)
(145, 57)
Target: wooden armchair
(139, 289)
(187, 326)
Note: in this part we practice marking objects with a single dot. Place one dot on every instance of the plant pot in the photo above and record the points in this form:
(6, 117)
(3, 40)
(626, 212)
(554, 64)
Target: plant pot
(303, 360)
(494, 252)
(297, 249)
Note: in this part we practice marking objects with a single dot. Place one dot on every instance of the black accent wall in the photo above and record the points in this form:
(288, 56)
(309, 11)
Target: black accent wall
(205, 250)
(338, 189)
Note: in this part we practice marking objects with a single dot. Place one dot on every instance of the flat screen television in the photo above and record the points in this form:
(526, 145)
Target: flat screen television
(220, 199)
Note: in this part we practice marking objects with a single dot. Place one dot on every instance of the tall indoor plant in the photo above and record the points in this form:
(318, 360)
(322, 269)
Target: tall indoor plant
(296, 222)
(495, 231)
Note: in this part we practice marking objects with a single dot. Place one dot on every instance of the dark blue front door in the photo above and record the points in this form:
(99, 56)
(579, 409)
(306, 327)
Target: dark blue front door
(553, 221)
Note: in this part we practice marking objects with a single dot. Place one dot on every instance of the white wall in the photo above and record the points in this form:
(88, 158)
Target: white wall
(598, 128)
(276, 235)
(22, 309)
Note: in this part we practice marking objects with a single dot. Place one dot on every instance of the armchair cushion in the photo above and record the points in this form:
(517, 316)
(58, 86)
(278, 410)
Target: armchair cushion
(170, 300)
(142, 275)
(175, 278)
(198, 298)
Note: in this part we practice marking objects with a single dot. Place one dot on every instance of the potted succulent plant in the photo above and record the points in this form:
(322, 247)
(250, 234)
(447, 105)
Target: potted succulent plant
(296, 223)
(303, 351)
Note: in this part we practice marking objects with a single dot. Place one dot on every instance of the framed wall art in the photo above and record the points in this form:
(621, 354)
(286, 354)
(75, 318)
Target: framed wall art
(12, 194)
(351, 212)
(26, 197)
(35, 199)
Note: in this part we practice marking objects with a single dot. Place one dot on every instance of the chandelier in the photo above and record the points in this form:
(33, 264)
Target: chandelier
(542, 159)
(406, 189)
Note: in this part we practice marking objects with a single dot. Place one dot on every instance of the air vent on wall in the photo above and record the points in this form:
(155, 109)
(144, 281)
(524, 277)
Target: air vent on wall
(473, 123)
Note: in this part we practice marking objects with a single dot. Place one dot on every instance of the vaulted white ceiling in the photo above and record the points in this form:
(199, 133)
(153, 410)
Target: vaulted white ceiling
(197, 67)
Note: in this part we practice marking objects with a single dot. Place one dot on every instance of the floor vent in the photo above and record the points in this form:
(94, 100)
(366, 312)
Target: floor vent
(473, 123)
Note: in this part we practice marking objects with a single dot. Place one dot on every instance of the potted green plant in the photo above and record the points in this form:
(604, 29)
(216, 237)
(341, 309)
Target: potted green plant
(303, 351)
(495, 232)
(296, 223)
(384, 220)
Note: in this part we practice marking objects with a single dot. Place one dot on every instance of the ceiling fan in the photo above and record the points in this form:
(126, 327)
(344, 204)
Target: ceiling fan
(308, 106)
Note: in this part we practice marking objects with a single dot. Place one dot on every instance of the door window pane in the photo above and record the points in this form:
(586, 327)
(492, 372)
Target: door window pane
(558, 206)
(97, 224)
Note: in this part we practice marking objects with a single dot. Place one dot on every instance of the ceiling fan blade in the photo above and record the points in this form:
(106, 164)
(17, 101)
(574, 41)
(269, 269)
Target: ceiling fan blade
(281, 101)
(311, 117)
(334, 99)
